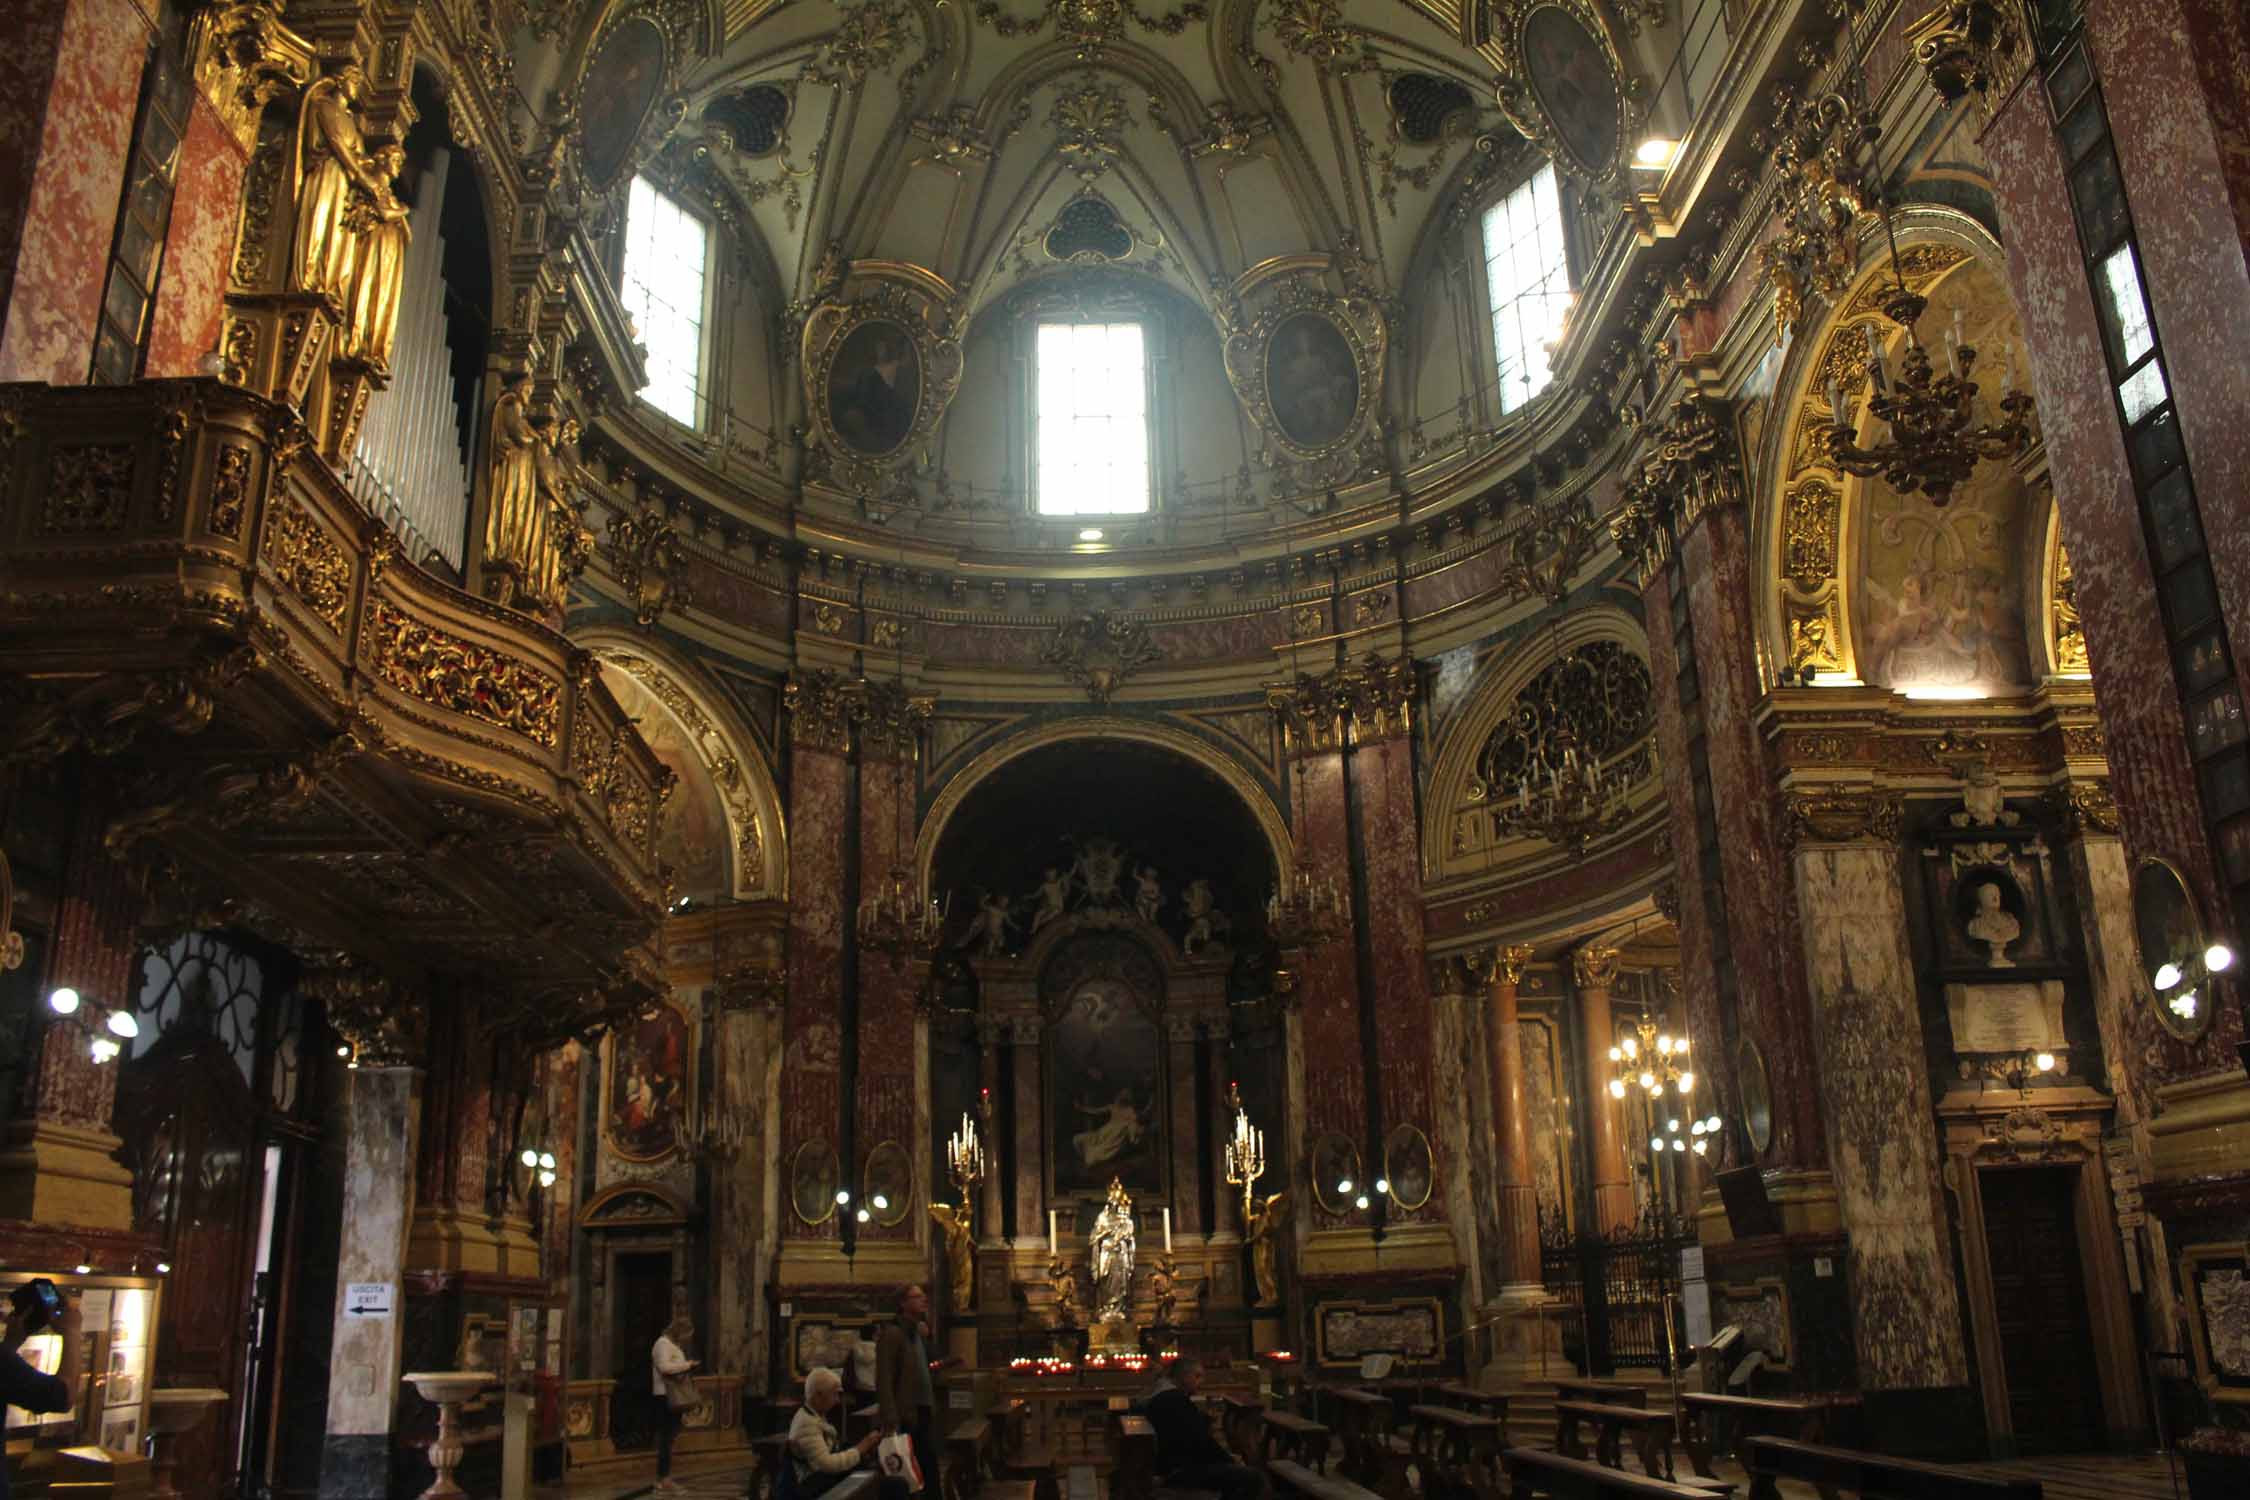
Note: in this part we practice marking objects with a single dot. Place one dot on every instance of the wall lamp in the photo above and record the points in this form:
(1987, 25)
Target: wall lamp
(104, 1043)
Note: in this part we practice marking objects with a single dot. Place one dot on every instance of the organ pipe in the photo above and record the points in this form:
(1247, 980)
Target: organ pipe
(407, 469)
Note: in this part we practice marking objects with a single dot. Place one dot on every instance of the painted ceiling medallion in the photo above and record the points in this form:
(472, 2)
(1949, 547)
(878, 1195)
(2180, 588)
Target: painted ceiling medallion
(1562, 84)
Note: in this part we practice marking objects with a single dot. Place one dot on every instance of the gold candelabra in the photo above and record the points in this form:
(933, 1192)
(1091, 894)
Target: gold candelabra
(1308, 910)
(964, 1160)
(1651, 1061)
(900, 920)
(1245, 1151)
(1564, 796)
(1935, 441)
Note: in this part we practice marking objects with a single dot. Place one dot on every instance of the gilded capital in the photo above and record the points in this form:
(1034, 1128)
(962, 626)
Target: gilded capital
(1966, 46)
(1594, 968)
(1841, 816)
(822, 706)
(1365, 701)
(243, 56)
(1693, 466)
(1512, 960)
(892, 720)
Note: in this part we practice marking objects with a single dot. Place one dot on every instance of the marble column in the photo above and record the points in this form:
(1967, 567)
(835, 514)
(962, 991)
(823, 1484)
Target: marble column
(59, 1165)
(383, 1116)
(990, 1039)
(1327, 994)
(820, 713)
(745, 1196)
(463, 1219)
(1382, 768)
(69, 79)
(1513, 1183)
(1031, 1166)
(1875, 1096)
(1186, 1201)
(1226, 1199)
(1593, 971)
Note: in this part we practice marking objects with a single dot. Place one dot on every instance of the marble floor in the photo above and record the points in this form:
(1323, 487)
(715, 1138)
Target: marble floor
(2142, 1476)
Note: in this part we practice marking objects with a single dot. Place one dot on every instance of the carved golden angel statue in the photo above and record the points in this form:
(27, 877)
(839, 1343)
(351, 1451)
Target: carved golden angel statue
(960, 1250)
(1163, 1288)
(520, 565)
(1064, 1282)
(1262, 1223)
(332, 166)
(377, 269)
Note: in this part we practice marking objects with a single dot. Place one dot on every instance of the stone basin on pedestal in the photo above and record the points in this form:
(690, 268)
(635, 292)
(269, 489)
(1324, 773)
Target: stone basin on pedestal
(446, 1390)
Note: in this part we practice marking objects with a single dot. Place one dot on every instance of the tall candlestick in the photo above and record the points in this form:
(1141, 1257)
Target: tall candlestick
(1054, 1246)
(1167, 1231)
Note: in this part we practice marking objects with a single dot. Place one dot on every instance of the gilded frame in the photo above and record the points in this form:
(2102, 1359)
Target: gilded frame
(1247, 345)
(1521, 103)
(797, 1162)
(1755, 1090)
(897, 1205)
(1433, 1306)
(689, 1095)
(2150, 864)
(665, 103)
(929, 311)
(2193, 1261)
(1401, 1140)
(1330, 1152)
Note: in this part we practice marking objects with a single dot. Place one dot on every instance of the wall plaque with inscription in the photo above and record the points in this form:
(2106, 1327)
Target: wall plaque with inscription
(2022, 1017)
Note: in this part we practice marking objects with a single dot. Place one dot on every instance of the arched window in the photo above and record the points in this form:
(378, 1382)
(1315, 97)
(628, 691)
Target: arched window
(1527, 281)
(666, 289)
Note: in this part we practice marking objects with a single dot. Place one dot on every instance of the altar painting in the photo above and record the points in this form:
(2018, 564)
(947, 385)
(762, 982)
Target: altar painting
(1104, 1093)
(646, 1086)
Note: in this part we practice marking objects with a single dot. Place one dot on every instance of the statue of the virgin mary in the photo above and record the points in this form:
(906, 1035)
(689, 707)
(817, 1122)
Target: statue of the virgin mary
(1111, 1255)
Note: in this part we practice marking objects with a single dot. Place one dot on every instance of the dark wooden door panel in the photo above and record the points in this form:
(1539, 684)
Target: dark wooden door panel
(2039, 1297)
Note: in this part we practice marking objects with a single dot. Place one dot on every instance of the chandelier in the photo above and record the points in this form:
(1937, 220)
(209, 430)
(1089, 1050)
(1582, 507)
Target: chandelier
(1307, 909)
(1563, 796)
(1652, 1061)
(899, 921)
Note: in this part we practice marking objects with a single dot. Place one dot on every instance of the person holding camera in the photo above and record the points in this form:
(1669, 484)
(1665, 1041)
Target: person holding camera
(34, 1308)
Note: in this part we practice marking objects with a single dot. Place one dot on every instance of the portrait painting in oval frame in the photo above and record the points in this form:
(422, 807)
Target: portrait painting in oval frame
(1312, 380)
(875, 387)
(1571, 77)
(615, 94)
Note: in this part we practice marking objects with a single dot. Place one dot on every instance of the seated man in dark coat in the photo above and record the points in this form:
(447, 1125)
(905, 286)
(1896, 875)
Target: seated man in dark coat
(1188, 1457)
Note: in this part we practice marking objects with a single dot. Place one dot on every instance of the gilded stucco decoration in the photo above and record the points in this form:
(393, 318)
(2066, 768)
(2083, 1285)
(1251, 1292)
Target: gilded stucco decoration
(2066, 636)
(1308, 363)
(881, 356)
(1099, 651)
(1563, 84)
(444, 670)
(1598, 694)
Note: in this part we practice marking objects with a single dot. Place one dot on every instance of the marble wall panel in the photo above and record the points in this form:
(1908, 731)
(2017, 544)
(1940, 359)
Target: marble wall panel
(1231, 639)
(811, 1048)
(1472, 578)
(1598, 874)
(27, 71)
(1462, 1138)
(1391, 842)
(1875, 1092)
(1717, 569)
(1546, 1096)
(198, 246)
(2185, 203)
(738, 599)
(2150, 776)
(885, 1093)
(70, 208)
(382, 1115)
(96, 949)
(2220, 33)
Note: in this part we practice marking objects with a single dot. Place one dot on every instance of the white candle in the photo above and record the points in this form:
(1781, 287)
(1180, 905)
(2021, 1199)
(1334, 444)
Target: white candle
(1167, 1231)
(1053, 1246)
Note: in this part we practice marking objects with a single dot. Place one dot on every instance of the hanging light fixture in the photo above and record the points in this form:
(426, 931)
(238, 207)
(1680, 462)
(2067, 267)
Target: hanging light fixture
(1652, 1061)
(901, 920)
(1935, 439)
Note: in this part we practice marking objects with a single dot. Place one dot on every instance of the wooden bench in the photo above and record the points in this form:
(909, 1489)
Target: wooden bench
(1534, 1471)
(1803, 1421)
(1299, 1480)
(972, 1456)
(1021, 1460)
(1134, 1478)
(1607, 1392)
(1651, 1430)
(1374, 1454)
(1468, 1398)
(1243, 1426)
(1870, 1476)
(767, 1454)
(1295, 1438)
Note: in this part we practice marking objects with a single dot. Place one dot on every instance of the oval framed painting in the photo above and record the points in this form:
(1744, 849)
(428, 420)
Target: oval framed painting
(875, 387)
(1571, 76)
(812, 1181)
(1408, 1167)
(1312, 381)
(1335, 1173)
(2169, 933)
(889, 1184)
(615, 95)
(1757, 1095)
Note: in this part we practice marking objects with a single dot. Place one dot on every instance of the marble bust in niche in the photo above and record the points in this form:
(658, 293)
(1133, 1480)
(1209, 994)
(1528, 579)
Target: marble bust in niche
(1992, 924)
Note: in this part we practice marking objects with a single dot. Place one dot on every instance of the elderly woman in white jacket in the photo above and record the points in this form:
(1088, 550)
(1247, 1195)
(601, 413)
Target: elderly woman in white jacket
(813, 1446)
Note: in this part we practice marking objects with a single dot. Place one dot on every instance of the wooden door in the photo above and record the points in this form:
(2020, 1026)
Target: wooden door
(2039, 1295)
(192, 1138)
(641, 1287)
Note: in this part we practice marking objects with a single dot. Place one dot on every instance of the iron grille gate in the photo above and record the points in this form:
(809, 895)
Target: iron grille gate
(1624, 1289)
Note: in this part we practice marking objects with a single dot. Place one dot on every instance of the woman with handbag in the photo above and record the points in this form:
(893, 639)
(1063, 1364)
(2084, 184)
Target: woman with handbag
(676, 1393)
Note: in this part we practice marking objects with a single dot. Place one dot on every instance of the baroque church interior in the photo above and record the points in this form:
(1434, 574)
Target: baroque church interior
(1517, 719)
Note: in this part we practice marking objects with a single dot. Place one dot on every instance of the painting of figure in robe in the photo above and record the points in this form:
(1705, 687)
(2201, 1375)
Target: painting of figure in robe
(1104, 1094)
(648, 1085)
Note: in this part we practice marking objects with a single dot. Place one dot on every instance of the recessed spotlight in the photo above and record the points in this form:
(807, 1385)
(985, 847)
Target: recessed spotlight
(1655, 153)
(1090, 534)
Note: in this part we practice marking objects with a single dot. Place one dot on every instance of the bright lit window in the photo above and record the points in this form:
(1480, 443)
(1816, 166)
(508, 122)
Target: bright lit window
(1529, 283)
(666, 252)
(1092, 419)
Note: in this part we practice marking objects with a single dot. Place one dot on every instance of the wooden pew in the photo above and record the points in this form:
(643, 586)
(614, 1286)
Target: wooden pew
(1469, 1398)
(1135, 1475)
(1461, 1447)
(1243, 1427)
(1606, 1392)
(1534, 1472)
(1295, 1438)
(767, 1454)
(1301, 1481)
(1022, 1461)
(971, 1456)
(1652, 1434)
(1804, 1421)
(1869, 1476)
(1374, 1454)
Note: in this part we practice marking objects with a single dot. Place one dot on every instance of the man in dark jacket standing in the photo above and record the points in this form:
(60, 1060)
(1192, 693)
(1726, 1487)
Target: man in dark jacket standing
(21, 1385)
(905, 1399)
(1188, 1457)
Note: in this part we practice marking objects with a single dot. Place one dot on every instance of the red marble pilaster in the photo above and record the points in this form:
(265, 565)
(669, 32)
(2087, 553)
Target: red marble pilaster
(1593, 971)
(1186, 1202)
(2172, 153)
(1771, 999)
(1390, 840)
(991, 1038)
(1511, 1125)
(69, 80)
(198, 246)
(1226, 1199)
(2143, 731)
(1328, 974)
(812, 1040)
(883, 1096)
(1031, 1163)
(97, 945)
(1699, 908)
